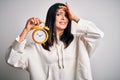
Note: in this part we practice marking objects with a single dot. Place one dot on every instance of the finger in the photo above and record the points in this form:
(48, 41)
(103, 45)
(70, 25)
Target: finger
(67, 5)
(40, 21)
(63, 7)
(36, 21)
(31, 20)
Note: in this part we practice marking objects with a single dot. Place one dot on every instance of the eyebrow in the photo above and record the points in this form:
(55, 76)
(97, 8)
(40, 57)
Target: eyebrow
(61, 12)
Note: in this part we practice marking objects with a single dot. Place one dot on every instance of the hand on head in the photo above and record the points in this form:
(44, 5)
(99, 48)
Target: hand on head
(71, 15)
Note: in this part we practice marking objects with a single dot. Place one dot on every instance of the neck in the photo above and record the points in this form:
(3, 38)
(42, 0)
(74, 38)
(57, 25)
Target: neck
(59, 33)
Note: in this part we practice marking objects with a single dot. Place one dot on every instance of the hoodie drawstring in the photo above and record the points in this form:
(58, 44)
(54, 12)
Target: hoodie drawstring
(60, 52)
(62, 57)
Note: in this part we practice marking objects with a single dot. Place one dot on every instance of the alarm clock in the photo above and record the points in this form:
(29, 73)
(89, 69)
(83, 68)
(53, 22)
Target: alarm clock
(40, 34)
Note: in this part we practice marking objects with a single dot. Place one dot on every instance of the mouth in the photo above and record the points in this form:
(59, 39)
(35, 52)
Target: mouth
(62, 23)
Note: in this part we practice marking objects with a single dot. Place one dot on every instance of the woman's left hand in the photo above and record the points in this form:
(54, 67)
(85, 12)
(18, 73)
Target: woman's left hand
(71, 15)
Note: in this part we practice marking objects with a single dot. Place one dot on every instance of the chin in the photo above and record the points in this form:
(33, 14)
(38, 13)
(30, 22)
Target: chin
(63, 27)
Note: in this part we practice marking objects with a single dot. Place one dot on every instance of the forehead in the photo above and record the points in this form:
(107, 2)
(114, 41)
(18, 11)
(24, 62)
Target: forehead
(61, 10)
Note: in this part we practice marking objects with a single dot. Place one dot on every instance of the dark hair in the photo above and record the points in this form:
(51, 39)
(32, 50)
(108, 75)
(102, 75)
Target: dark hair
(66, 37)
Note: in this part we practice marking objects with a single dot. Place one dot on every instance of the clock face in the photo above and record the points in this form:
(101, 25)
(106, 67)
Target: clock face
(39, 36)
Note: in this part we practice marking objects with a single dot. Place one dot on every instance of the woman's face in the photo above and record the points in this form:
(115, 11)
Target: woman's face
(61, 20)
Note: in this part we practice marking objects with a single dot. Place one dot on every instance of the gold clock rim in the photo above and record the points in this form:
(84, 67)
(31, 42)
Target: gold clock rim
(43, 40)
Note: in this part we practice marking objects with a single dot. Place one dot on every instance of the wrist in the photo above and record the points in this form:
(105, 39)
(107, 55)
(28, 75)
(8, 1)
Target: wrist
(23, 34)
(26, 30)
(76, 19)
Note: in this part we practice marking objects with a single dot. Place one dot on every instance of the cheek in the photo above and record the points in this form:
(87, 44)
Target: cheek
(57, 21)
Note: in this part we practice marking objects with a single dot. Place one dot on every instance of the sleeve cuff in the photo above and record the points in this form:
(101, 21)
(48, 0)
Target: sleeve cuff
(82, 25)
(19, 46)
(17, 39)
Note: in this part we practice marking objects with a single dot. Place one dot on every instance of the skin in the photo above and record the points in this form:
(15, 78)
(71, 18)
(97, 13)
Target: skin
(61, 22)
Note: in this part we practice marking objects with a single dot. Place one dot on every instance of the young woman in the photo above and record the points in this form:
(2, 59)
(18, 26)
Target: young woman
(65, 56)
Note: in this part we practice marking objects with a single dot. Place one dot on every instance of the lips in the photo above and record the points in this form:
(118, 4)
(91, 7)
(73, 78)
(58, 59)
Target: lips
(62, 23)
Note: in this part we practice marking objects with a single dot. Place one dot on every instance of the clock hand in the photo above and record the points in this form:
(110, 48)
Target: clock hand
(40, 35)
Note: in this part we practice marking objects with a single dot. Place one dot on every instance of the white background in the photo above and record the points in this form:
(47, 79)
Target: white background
(105, 14)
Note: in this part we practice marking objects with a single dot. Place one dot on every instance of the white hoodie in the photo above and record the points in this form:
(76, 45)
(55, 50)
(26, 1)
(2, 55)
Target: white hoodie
(71, 63)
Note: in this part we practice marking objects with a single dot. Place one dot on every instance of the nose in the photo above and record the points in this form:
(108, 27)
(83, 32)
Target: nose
(63, 17)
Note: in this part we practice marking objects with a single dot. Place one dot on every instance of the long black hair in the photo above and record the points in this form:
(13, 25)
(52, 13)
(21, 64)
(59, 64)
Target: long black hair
(66, 37)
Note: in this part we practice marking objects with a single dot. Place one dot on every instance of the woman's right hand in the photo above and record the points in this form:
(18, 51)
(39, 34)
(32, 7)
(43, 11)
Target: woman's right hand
(29, 26)
(31, 23)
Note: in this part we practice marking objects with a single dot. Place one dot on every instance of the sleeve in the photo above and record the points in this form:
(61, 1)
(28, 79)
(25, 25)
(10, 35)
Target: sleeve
(89, 34)
(16, 56)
